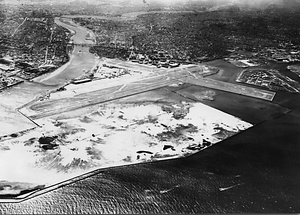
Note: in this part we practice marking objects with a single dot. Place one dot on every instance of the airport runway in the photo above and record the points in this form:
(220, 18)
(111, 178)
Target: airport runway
(173, 76)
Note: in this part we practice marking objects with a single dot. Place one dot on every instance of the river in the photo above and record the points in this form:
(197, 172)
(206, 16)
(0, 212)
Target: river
(81, 59)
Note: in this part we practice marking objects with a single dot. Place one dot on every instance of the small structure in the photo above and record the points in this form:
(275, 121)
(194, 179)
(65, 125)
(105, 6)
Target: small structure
(81, 81)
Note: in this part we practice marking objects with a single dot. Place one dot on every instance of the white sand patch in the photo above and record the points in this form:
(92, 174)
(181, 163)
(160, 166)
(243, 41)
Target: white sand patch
(141, 112)
(211, 116)
(73, 151)
(122, 144)
(151, 129)
(19, 164)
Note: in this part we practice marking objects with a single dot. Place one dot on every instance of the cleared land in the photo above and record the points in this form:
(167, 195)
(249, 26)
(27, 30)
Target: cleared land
(49, 108)
(113, 134)
(11, 120)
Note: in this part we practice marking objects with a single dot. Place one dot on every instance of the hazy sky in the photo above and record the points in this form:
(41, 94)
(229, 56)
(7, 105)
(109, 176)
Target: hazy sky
(151, 1)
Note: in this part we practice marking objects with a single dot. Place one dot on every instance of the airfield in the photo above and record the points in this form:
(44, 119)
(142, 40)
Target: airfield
(96, 92)
(159, 113)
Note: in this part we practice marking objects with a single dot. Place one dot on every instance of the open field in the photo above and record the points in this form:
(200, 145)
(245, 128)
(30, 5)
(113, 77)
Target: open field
(153, 96)
(156, 125)
(48, 108)
(11, 120)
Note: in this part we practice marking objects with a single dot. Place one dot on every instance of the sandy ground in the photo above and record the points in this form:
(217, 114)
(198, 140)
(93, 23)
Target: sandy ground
(114, 135)
(11, 121)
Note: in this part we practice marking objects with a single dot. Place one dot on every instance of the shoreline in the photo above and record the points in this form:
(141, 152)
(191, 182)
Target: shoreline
(35, 193)
(181, 151)
(40, 191)
(79, 177)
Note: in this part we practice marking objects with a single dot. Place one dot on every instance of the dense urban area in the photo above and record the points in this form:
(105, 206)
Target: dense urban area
(270, 79)
(260, 36)
(31, 44)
